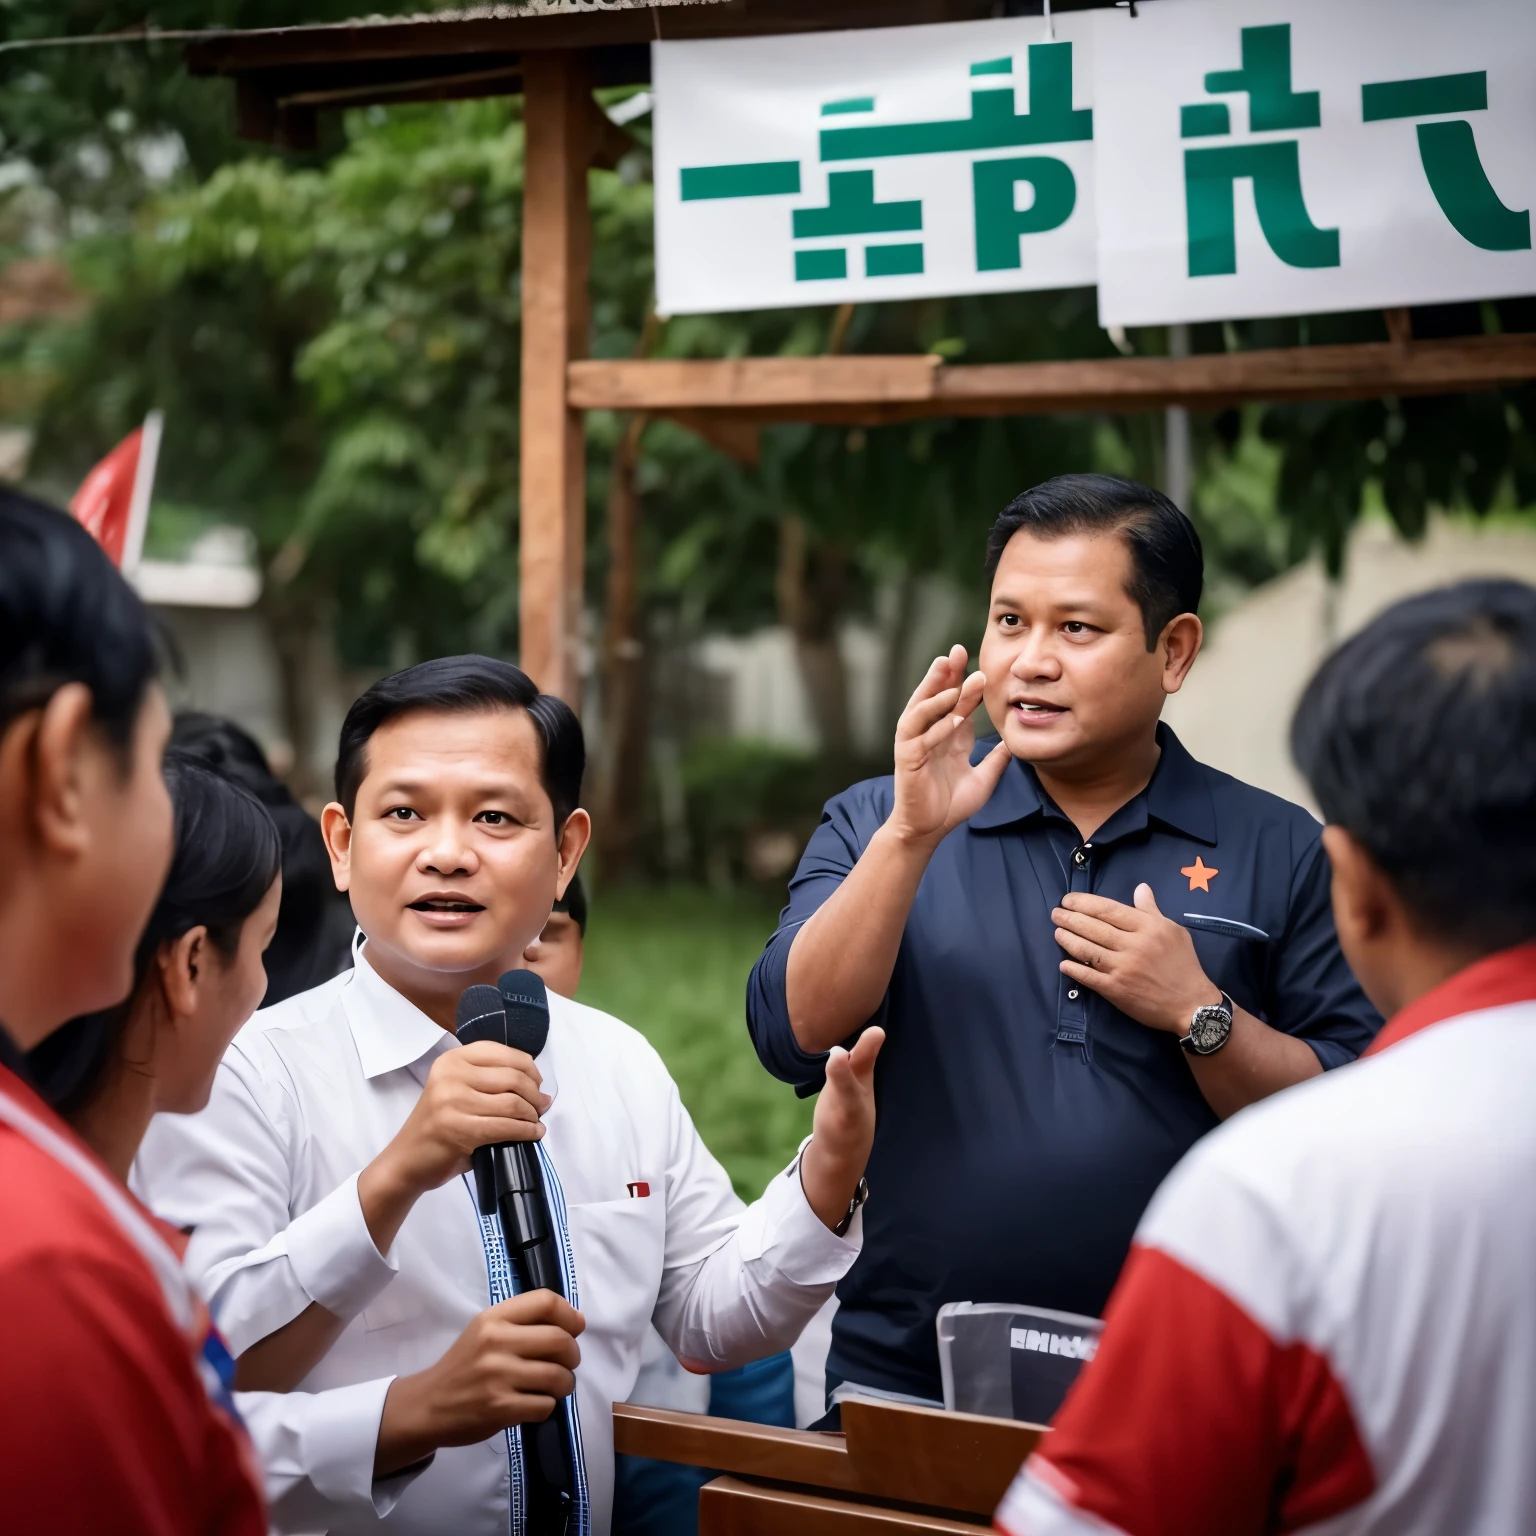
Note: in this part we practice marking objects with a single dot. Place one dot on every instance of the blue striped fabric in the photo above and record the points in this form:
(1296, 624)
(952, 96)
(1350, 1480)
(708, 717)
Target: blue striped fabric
(503, 1285)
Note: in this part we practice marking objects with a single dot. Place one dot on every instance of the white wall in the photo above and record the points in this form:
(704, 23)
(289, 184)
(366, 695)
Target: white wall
(1235, 711)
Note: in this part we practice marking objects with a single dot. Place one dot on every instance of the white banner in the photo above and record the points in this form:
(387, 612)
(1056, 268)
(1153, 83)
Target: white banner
(893, 163)
(1274, 157)
(1206, 159)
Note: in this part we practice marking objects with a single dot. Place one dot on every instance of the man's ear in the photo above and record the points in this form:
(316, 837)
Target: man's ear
(183, 964)
(574, 837)
(1180, 643)
(1364, 904)
(336, 828)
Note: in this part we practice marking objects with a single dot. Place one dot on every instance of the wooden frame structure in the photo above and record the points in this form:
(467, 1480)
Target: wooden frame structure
(893, 1471)
(285, 76)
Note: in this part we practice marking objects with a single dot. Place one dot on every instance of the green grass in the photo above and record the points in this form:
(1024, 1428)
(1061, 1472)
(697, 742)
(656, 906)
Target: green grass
(673, 962)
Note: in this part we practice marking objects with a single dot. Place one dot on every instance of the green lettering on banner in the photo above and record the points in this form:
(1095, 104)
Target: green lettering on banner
(1204, 120)
(993, 124)
(766, 178)
(814, 266)
(993, 67)
(852, 210)
(1466, 196)
(999, 224)
(1424, 97)
(1266, 78)
(1275, 169)
(1448, 152)
(893, 261)
(852, 104)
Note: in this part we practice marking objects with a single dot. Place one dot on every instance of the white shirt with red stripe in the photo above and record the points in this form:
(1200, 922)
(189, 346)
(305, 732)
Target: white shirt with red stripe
(1328, 1319)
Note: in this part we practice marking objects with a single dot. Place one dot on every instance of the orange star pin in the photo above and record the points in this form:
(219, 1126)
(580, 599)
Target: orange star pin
(1199, 876)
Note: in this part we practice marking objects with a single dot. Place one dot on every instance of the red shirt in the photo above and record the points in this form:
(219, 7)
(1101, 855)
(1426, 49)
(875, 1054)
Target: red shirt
(109, 1423)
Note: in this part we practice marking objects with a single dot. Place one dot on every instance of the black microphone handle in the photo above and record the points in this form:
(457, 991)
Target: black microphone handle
(512, 1187)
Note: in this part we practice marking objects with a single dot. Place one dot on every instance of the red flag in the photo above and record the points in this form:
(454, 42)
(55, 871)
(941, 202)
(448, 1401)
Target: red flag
(113, 500)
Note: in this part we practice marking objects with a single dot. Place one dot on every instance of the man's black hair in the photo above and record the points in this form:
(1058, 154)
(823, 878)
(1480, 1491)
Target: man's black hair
(574, 903)
(466, 685)
(313, 941)
(67, 616)
(1167, 563)
(227, 856)
(1418, 737)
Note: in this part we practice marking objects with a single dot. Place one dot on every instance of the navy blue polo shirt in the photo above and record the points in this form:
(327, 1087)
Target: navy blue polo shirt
(1024, 1122)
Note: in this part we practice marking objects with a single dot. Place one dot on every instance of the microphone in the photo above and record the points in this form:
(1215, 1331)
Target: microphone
(509, 1184)
(509, 1179)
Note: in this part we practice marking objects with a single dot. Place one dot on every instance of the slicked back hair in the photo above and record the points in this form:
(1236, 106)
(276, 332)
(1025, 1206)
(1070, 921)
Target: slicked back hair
(466, 685)
(1167, 562)
(67, 616)
(1418, 737)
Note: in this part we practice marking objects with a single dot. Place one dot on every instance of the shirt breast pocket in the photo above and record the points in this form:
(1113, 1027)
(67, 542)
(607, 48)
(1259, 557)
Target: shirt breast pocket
(1236, 955)
(619, 1246)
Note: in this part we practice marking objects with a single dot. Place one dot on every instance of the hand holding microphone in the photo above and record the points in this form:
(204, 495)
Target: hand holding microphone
(476, 1096)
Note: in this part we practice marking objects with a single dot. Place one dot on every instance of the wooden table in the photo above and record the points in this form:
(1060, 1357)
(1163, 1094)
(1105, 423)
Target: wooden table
(894, 1469)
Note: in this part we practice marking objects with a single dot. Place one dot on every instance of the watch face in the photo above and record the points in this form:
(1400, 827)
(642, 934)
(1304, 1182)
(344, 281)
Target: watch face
(1209, 1028)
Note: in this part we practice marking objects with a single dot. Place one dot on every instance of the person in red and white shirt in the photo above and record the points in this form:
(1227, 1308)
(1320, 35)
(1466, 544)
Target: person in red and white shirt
(110, 1418)
(1328, 1319)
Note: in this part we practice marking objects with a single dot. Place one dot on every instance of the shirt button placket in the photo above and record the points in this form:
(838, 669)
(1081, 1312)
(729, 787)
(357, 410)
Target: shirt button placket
(1072, 1010)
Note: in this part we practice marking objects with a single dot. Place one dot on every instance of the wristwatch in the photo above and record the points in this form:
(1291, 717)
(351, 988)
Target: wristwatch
(1210, 1027)
(860, 1195)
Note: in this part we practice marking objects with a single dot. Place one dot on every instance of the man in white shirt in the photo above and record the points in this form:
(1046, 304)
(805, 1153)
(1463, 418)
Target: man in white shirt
(333, 1230)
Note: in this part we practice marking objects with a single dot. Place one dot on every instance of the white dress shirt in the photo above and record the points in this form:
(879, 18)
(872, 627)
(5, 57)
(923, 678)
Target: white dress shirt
(310, 1092)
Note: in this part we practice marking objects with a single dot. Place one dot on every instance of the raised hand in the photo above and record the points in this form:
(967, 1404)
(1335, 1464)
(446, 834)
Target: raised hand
(843, 1129)
(936, 786)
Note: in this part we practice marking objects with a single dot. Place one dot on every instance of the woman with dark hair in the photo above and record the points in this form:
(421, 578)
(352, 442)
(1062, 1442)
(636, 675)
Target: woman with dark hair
(197, 975)
(313, 941)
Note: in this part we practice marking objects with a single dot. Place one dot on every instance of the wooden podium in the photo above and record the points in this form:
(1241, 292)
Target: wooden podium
(894, 1469)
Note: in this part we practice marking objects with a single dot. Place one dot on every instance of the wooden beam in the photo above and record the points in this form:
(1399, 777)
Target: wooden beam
(1399, 323)
(958, 1461)
(557, 241)
(235, 52)
(507, 80)
(955, 1461)
(732, 1445)
(872, 390)
(729, 1507)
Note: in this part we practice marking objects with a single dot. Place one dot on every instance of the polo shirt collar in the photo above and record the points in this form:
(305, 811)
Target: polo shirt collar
(389, 1031)
(1177, 796)
(1495, 981)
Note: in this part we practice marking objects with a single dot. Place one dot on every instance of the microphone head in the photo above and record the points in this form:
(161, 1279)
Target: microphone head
(525, 1000)
(481, 1016)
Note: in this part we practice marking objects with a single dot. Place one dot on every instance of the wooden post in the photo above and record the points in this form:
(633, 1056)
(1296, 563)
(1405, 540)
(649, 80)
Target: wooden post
(557, 248)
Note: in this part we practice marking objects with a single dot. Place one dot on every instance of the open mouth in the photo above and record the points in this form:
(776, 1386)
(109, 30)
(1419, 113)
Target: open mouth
(1032, 709)
(448, 904)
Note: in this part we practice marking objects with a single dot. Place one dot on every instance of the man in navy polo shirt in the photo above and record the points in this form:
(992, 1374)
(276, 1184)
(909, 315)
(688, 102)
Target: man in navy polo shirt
(1086, 948)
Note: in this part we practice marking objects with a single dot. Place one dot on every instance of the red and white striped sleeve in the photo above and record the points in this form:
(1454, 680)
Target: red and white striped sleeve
(1208, 1410)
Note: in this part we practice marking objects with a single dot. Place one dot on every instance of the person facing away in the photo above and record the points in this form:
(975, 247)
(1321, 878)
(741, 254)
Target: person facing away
(333, 1227)
(109, 1418)
(661, 1498)
(1328, 1321)
(1086, 947)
